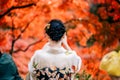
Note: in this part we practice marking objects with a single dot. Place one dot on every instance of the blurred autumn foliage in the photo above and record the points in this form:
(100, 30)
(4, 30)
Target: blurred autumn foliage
(93, 28)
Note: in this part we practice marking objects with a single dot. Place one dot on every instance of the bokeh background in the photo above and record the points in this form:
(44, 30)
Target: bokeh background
(93, 28)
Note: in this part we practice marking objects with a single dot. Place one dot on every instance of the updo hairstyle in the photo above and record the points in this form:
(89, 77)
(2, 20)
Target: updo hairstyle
(55, 29)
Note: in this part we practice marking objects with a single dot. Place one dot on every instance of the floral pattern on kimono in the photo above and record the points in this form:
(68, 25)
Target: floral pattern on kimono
(53, 73)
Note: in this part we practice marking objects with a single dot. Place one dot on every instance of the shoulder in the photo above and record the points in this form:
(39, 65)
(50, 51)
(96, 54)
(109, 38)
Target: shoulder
(37, 52)
(72, 54)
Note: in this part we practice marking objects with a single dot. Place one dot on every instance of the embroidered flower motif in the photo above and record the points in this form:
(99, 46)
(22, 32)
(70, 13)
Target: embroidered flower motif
(74, 68)
(53, 67)
(53, 73)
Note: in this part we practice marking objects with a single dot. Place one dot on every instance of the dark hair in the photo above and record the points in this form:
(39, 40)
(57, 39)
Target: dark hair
(55, 29)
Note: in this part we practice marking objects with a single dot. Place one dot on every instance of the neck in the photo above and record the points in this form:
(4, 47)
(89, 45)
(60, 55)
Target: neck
(54, 43)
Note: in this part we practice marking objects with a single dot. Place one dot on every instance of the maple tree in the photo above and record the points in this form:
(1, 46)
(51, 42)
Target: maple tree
(92, 29)
(102, 34)
(109, 15)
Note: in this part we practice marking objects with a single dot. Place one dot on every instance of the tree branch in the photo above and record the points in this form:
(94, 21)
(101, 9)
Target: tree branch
(16, 7)
(18, 37)
(23, 50)
(80, 21)
(13, 41)
(22, 31)
(71, 20)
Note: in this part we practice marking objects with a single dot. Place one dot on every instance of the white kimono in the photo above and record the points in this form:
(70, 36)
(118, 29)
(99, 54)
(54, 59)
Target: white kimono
(54, 63)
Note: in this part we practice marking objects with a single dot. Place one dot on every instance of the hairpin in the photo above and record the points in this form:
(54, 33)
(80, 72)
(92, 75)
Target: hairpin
(47, 26)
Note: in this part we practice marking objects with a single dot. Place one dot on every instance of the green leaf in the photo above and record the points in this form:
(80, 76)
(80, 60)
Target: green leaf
(88, 77)
(77, 76)
(35, 65)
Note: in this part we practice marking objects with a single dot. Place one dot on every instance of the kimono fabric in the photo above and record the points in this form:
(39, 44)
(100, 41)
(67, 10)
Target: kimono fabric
(51, 63)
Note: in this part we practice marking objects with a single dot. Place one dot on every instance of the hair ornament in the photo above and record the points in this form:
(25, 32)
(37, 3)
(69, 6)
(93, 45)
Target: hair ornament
(47, 26)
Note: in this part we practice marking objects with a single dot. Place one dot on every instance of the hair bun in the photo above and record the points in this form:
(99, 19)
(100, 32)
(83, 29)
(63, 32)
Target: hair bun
(55, 29)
